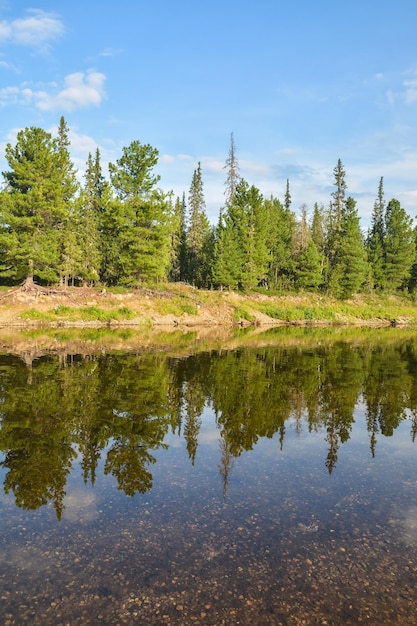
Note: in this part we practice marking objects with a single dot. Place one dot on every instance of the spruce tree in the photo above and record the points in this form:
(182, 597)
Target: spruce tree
(228, 256)
(307, 271)
(400, 250)
(334, 220)
(375, 243)
(95, 183)
(72, 237)
(178, 269)
(280, 240)
(338, 195)
(350, 269)
(287, 199)
(254, 241)
(233, 176)
(198, 232)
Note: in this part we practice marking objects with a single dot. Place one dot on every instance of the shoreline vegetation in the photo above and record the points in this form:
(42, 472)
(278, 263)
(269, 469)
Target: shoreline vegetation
(179, 320)
(177, 305)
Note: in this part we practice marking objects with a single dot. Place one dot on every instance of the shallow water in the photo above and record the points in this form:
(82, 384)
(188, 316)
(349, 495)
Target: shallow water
(273, 485)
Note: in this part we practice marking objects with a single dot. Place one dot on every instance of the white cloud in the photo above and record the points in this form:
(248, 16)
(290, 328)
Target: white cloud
(110, 52)
(8, 66)
(80, 90)
(37, 30)
(171, 158)
(410, 95)
(11, 95)
(80, 506)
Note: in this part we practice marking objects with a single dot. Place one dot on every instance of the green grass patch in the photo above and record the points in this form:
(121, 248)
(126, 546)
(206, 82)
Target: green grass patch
(95, 313)
(277, 312)
(33, 314)
(175, 306)
(241, 313)
(62, 309)
(89, 313)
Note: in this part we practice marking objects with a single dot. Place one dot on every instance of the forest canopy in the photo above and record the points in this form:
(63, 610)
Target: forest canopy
(126, 231)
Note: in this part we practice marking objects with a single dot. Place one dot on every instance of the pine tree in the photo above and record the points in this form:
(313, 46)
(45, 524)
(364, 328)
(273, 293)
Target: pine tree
(255, 240)
(95, 183)
(233, 176)
(334, 220)
(280, 241)
(178, 270)
(318, 231)
(335, 213)
(375, 244)
(306, 256)
(35, 207)
(138, 223)
(308, 267)
(228, 255)
(350, 269)
(90, 213)
(400, 250)
(198, 232)
(287, 199)
(68, 174)
(338, 195)
(71, 249)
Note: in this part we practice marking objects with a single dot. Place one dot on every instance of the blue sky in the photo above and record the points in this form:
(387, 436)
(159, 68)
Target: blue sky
(299, 83)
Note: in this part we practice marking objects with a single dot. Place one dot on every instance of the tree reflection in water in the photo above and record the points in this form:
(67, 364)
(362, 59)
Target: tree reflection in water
(120, 408)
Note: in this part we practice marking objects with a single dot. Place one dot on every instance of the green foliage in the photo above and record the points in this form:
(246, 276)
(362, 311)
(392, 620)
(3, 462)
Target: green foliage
(400, 251)
(35, 205)
(241, 313)
(34, 314)
(86, 313)
(114, 410)
(127, 232)
(350, 265)
(198, 242)
(175, 306)
(103, 315)
(137, 224)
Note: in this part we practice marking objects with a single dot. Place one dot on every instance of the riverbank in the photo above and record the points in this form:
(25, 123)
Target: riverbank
(178, 305)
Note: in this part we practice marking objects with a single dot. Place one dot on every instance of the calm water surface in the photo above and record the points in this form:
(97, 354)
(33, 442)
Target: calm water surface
(273, 485)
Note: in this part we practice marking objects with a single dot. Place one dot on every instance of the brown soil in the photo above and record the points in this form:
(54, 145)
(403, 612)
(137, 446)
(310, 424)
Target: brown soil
(178, 306)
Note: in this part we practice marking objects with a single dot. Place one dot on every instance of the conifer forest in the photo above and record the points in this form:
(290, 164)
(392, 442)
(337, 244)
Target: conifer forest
(126, 231)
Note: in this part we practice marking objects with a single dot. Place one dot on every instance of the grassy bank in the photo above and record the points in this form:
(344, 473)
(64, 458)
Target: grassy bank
(182, 305)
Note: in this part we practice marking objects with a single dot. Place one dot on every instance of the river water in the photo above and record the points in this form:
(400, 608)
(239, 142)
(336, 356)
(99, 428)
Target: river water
(269, 484)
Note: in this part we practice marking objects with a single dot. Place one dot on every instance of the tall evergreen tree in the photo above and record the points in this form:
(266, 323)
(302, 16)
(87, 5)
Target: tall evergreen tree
(71, 238)
(92, 199)
(95, 183)
(139, 221)
(350, 269)
(400, 250)
(334, 219)
(198, 232)
(35, 207)
(375, 243)
(338, 195)
(280, 238)
(66, 166)
(228, 256)
(307, 259)
(287, 199)
(318, 230)
(254, 242)
(178, 270)
(233, 176)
